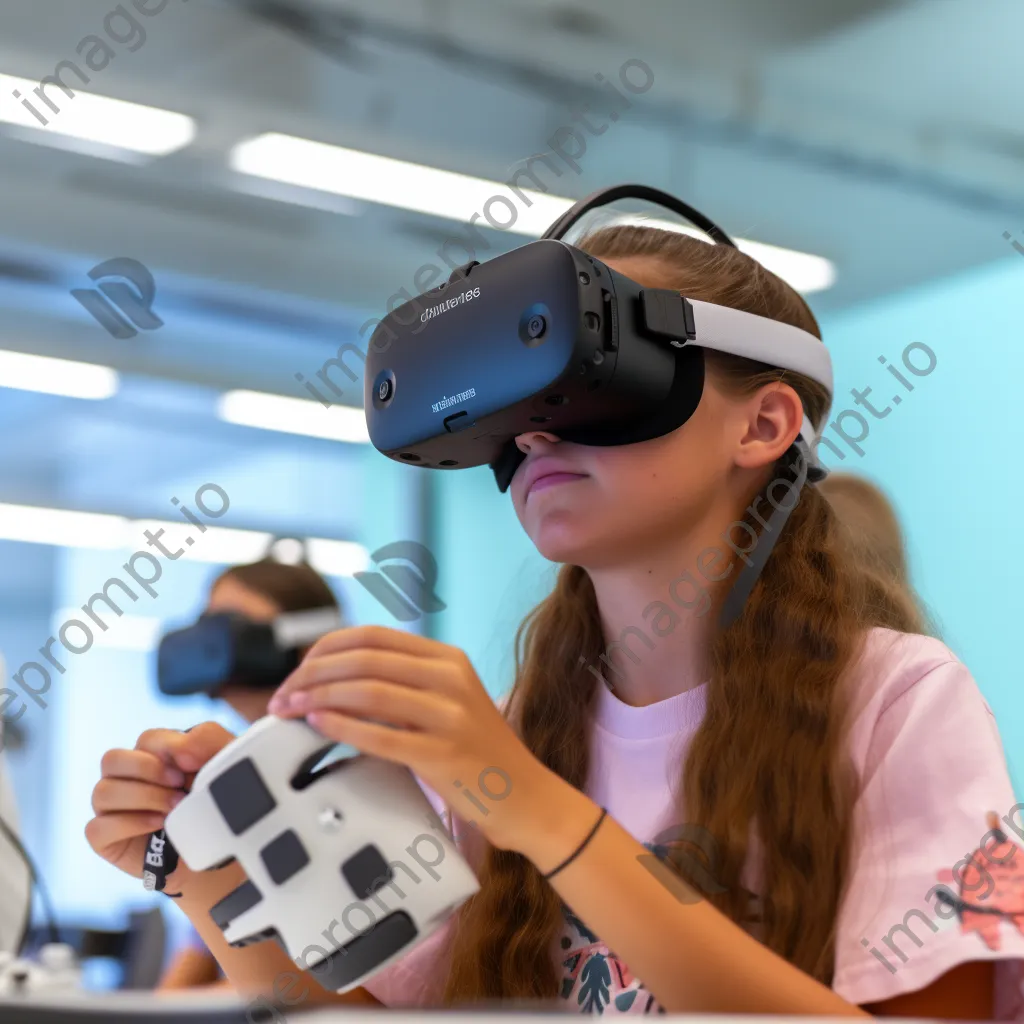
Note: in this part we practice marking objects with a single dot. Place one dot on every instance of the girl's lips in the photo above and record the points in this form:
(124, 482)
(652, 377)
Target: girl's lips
(552, 480)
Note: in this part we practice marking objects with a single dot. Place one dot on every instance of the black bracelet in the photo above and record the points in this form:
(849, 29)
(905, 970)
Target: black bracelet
(579, 849)
(160, 860)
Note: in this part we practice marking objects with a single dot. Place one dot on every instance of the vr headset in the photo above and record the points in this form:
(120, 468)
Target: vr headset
(225, 647)
(547, 337)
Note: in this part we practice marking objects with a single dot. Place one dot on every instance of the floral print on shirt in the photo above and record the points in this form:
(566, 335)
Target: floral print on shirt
(990, 889)
(594, 979)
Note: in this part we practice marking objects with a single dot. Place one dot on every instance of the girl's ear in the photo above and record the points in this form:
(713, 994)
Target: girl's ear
(774, 417)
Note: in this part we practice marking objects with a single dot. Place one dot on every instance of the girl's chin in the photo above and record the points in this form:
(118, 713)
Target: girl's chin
(562, 545)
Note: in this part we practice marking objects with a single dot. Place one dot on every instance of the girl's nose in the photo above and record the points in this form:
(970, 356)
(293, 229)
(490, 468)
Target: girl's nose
(534, 441)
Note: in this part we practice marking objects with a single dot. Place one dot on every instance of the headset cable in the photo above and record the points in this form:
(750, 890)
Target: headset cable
(37, 883)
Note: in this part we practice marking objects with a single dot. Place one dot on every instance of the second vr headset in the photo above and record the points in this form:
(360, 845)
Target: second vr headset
(547, 337)
(226, 648)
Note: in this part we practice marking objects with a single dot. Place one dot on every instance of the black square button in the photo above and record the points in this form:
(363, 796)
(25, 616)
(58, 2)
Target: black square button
(241, 796)
(236, 903)
(367, 871)
(284, 856)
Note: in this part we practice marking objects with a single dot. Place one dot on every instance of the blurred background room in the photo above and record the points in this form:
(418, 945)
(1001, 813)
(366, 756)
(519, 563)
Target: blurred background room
(284, 172)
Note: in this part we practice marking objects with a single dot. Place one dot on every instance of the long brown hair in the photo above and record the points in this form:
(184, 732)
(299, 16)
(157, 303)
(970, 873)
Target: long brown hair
(872, 533)
(769, 754)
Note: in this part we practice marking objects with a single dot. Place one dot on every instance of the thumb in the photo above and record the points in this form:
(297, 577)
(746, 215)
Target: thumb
(200, 744)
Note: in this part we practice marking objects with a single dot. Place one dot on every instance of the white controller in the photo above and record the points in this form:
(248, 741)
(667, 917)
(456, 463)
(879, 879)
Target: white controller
(56, 971)
(349, 866)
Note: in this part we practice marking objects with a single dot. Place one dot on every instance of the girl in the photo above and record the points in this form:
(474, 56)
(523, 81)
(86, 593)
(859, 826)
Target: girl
(260, 591)
(828, 763)
(872, 533)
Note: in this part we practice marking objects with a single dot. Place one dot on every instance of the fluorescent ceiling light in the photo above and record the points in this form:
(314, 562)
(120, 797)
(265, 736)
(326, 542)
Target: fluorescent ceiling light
(222, 545)
(293, 416)
(802, 270)
(61, 527)
(218, 545)
(381, 179)
(337, 557)
(93, 118)
(56, 376)
(429, 190)
(123, 633)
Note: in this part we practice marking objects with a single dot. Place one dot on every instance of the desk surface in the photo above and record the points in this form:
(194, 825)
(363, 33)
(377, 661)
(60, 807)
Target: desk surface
(146, 1008)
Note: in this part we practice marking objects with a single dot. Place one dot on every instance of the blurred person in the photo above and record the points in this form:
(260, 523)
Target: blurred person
(838, 762)
(260, 591)
(872, 532)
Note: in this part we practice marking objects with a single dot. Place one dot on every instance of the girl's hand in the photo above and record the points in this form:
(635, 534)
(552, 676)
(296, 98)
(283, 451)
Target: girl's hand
(418, 702)
(138, 789)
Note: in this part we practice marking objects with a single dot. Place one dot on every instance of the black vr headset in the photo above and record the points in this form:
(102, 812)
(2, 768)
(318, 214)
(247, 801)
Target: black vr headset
(225, 647)
(547, 337)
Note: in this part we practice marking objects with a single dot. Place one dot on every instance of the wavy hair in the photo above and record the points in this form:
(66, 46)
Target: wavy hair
(769, 756)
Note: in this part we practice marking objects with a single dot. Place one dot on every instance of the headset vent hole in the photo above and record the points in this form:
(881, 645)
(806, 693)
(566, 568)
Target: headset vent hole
(556, 400)
(593, 321)
(448, 462)
(409, 457)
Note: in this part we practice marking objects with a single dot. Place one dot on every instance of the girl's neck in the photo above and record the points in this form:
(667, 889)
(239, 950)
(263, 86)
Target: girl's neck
(657, 619)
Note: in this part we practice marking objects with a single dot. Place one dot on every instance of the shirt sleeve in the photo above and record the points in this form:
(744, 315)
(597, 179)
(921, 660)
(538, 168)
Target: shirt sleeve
(931, 885)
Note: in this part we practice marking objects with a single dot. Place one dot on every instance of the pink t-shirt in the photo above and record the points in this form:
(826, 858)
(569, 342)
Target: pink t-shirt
(931, 766)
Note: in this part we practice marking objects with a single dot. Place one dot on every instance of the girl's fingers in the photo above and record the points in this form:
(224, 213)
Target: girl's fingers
(378, 638)
(377, 740)
(163, 744)
(118, 795)
(186, 751)
(108, 829)
(141, 766)
(379, 700)
(367, 663)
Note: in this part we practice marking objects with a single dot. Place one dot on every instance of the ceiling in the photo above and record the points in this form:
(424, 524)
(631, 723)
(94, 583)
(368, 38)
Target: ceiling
(886, 136)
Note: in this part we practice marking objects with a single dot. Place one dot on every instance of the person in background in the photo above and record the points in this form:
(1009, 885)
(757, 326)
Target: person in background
(871, 532)
(260, 591)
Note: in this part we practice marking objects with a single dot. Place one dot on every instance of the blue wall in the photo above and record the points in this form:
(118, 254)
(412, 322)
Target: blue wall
(949, 457)
(490, 573)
